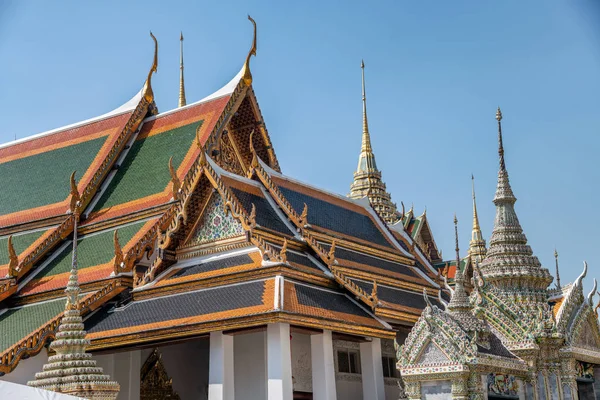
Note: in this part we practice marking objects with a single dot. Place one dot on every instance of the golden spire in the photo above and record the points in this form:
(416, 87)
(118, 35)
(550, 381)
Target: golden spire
(367, 178)
(366, 138)
(477, 247)
(247, 76)
(182, 101)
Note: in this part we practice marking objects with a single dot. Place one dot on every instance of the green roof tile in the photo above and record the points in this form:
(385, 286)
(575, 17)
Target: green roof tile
(16, 323)
(20, 242)
(43, 179)
(145, 170)
(94, 249)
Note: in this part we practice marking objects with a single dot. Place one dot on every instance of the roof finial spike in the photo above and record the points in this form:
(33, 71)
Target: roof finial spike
(457, 249)
(366, 137)
(182, 101)
(147, 91)
(557, 274)
(500, 146)
(247, 76)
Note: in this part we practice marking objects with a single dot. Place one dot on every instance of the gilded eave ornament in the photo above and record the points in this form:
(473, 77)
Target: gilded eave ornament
(175, 182)
(147, 90)
(13, 259)
(247, 76)
(118, 261)
(75, 201)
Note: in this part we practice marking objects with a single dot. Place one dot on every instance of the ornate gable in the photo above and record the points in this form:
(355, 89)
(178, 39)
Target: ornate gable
(432, 354)
(214, 224)
(155, 382)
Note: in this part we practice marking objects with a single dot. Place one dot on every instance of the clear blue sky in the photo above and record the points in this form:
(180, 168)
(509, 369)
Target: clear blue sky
(436, 71)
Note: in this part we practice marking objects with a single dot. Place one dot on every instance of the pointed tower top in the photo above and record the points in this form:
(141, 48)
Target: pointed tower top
(367, 178)
(460, 300)
(366, 138)
(182, 101)
(477, 247)
(557, 274)
(510, 263)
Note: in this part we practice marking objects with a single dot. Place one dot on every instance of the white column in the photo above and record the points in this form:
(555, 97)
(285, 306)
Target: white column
(323, 367)
(372, 370)
(279, 362)
(220, 369)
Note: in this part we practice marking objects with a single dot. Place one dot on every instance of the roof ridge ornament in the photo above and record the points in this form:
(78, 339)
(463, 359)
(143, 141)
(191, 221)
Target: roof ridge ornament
(175, 182)
(182, 101)
(13, 259)
(147, 90)
(75, 201)
(247, 75)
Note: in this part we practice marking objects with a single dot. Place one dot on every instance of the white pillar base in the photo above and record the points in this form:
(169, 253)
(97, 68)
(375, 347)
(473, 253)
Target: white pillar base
(279, 362)
(372, 370)
(220, 370)
(323, 367)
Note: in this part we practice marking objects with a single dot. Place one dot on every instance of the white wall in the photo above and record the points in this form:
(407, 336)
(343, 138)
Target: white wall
(301, 362)
(436, 390)
(26, 369)
(249, 359)
(187, 364)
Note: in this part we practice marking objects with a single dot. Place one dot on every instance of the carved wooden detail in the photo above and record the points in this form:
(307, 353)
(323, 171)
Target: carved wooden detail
(155, 383)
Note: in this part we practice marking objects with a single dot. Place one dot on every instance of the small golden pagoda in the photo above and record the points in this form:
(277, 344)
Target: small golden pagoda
(367, 178)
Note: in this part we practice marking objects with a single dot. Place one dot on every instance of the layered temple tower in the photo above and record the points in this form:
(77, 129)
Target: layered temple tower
(510, 264)
(72, 370)
(367, 178)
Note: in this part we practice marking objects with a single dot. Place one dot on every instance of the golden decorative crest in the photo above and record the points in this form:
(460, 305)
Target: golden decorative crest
(247, 77)
(175, 182)
(283, 252)
(13, 259)
(331, 254)
(118, 252)
(198, 141)
(304, 215)
(147, 91)
(75, 197)
(374, 299)
(155, 383)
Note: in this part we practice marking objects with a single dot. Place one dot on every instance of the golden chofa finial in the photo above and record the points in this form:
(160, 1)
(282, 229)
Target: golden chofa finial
(498, 114)
(147, 91)
(247, 76)
(182, 101)
(175, 182)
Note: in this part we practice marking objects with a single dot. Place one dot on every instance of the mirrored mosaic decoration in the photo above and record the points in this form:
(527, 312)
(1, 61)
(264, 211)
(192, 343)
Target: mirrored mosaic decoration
(504, 385)
(215, 224)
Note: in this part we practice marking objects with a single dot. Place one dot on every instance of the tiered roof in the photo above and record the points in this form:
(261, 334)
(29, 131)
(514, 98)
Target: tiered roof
(188, 211)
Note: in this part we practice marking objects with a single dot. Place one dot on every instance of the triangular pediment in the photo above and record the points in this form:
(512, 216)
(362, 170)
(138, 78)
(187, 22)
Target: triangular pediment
(155, 383)
(432, 354)
(589, 334)
(214, 224)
